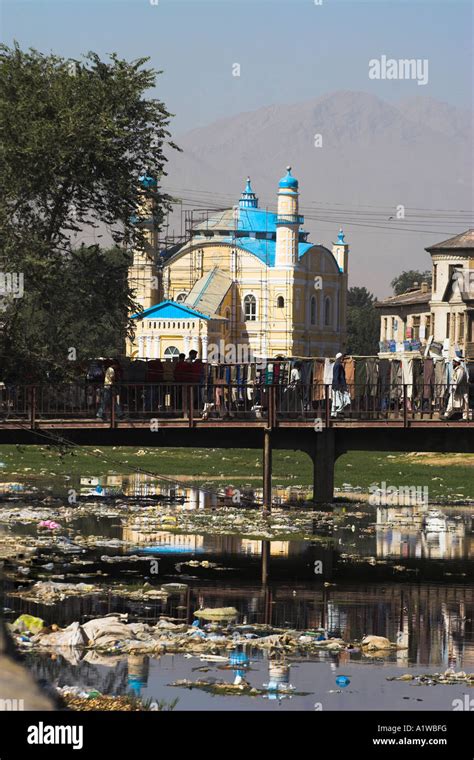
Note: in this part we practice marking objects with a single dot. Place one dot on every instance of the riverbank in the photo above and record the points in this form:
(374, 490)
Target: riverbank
(447, 476)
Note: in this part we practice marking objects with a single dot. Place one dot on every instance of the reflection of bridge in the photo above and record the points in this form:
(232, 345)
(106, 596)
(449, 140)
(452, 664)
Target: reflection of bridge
(396, 418)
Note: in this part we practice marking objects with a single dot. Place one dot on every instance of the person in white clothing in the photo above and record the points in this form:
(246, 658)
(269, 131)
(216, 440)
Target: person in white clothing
(459, 392)
(340, 395)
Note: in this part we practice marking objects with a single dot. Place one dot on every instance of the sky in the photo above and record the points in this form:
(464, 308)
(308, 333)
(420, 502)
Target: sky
(288, 50)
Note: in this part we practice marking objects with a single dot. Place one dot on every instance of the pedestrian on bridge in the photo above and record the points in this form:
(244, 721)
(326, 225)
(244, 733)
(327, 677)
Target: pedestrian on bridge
(340, 395)
(110, 379)
(295, 390)
(459, 392)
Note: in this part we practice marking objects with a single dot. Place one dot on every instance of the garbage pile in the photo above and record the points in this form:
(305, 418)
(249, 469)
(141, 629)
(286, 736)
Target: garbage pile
(448, 678)
(113, 634)
(52, 592)
(86, 701)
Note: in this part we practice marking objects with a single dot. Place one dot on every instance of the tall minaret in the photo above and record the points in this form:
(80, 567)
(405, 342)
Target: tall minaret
(288, 222)
(143, 275)
(340, 251)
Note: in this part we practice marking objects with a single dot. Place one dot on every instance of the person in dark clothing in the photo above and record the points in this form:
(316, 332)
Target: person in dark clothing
(181, 370)
(112, 378)
(196, 377)
(295, 391)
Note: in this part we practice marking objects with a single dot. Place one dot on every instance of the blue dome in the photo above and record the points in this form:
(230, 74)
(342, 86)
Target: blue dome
(147, 182)
(289, 180)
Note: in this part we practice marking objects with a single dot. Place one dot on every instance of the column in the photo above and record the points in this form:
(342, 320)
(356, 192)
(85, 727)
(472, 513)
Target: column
(423, 334)
(157, 347)
(323, 467)
(204, 340)
(140, 347)
(267, 471)
(187, 340)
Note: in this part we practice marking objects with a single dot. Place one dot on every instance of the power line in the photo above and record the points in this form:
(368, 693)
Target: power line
(344, 206)
(370, 224)
(370, 220)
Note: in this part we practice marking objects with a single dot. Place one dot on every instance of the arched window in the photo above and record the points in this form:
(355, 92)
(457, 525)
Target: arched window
(312, 310)
(250, 308)
(171, 351)
(327, 312)
(280, 302)
(181, 297)
(227, 314)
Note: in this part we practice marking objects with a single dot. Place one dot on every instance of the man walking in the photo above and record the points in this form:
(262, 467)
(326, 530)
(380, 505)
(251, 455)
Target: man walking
(110, 378)
(339, 387)
(459, 392)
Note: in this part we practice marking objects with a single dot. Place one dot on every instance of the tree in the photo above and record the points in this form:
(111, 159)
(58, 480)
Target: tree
(89, 295)
(76, 137)
(363, 323)
(406, 280)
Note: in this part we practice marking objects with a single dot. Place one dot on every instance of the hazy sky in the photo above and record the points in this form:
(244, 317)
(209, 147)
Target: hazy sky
(288, 50)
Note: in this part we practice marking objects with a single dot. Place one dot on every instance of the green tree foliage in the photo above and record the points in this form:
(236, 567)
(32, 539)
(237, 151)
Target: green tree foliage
(89, 295)
(406, 280)
(363, 323)
(76, 136)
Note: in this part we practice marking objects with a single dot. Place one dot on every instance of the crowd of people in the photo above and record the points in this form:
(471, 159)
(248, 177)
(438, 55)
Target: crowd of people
(111, 374)
(457, 391)
(221, 389)
(352, 385)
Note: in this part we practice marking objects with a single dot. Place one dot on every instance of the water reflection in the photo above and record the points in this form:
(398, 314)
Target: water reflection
(404, 532)
(379, 564)
(435, 623)
(416, 532)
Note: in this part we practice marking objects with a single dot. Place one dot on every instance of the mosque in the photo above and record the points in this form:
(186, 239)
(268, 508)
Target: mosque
(244, 278)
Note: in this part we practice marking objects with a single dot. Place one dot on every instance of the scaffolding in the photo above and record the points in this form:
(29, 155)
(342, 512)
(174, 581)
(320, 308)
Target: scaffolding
(197, 222)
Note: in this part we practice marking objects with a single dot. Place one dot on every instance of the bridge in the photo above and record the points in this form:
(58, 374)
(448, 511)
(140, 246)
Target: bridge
(395, 418)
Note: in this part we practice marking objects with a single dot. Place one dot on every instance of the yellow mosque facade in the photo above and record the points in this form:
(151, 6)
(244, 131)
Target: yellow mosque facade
(246, 284)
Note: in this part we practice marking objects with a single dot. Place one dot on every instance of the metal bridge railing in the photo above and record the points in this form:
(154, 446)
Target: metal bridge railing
(224, 402)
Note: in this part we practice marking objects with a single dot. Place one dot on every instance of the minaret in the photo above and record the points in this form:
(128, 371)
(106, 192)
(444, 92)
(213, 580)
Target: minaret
(144, 276)
(340, 251)
(288, 222)
(248, 199)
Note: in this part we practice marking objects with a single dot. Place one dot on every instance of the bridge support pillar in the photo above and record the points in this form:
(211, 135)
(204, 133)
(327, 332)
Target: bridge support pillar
(323, 467)
(267, 471)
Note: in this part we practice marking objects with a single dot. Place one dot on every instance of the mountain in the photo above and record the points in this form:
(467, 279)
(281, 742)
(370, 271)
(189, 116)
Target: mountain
(374, 156)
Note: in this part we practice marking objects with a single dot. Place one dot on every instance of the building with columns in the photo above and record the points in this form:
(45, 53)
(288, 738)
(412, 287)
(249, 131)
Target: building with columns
(245, 283)
(437, 318)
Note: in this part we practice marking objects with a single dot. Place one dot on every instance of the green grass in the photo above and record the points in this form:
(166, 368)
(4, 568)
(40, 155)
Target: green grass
(241, 466)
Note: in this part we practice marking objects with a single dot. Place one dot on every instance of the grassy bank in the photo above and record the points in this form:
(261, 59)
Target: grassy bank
(445, 475)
